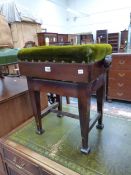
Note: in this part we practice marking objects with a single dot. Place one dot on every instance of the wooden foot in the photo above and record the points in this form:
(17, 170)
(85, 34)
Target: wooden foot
(85, 150)
(99, 126)
(40, 131)
(59, 115)
(109, 101)
(59, 100)
(2, 77)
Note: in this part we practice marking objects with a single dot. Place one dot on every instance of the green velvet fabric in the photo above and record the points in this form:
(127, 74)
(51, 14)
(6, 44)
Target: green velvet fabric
(8, 56)
(79, 53)
(110, 148)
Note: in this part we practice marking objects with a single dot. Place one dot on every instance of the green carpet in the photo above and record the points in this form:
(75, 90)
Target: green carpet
(110, 148)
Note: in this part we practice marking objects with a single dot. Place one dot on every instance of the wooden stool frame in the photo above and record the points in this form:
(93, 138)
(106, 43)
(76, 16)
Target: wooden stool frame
(71, 80)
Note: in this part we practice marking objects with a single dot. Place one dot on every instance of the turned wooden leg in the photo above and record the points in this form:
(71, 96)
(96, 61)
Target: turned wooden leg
(67, 100)
(35, 100)
(84, 116)
(100, 94)
(1, 75)
(59, 100)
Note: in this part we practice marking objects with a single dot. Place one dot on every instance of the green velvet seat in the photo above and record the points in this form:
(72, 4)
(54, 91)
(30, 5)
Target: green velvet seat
(8, 56)
(80, 53)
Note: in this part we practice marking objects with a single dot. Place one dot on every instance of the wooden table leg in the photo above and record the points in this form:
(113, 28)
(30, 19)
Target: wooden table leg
(59, 100)
(1, 75)
(35, 99)
(67, 100)
(100, 95)
(84, 116)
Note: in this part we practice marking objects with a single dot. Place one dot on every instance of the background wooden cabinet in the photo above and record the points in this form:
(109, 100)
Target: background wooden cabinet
(62, 38)
(45, 38)
(113, 40)
(123, 41)
(101, 36)
(86, 38)
(119, 77)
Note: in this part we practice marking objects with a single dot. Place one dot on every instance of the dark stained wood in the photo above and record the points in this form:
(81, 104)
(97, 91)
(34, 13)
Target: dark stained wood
(35, 100)
(15, 108)
(2, 170)
(100, 94)
(84, 99)
(15, 104)
(36, 69)
(62, 38)
(64, 79)
(113, 40)
(1, 75)
(62, 113)
(20, 160)
(10, 87)
(123, 41)
(53, 38)
(119, 77)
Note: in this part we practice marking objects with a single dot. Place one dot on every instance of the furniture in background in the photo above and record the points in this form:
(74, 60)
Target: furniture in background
(72, 39)
(86, 38)
(62, 38)
(47, 38)
(113, 39)
(101, 36)
(119, 77)
(8, 61)
(123, 41)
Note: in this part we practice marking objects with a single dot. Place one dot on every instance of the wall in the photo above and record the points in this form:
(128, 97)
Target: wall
(51, 12)
(22, 32)
(88, 16)
(99, 14)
